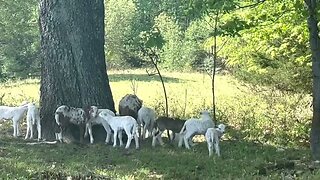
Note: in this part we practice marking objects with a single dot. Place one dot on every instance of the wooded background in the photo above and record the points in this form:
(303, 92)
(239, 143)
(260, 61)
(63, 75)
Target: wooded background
(265, 44)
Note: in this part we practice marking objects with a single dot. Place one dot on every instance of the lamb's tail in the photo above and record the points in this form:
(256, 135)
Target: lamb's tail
(155, 129)
(135, 129)
(183, 128)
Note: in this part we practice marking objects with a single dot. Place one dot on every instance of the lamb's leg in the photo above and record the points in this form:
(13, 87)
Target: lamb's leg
(108, 137)
(151, 126)
(14, 124)
(115, 135)
(120, 138)
(28, 129)
(139, 130)
(186, 139)
(59, 136)
(160, 138)
(210, 148)
(173, 136)
(168, 134)
(90, 133)
(216, 145)
(31, 130)
(86, 130)
(155, 133)
(18, 127)
(129, 138)
(108, 131)
(136, 139)
(144, 131)
(181, 138)
(39, 130)
(154, 140)
(148, 127)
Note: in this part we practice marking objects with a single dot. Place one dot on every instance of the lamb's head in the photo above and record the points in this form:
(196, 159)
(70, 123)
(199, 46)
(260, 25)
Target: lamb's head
(93, 112)
(60, 113)
(24, 103)
(205, 115)
(31, 105)
(105, 115)
(88, 110)
(63, 109)
(221, 128)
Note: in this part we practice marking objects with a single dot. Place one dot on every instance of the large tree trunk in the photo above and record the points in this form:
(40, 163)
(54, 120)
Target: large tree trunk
(73, 69)
(315, 49)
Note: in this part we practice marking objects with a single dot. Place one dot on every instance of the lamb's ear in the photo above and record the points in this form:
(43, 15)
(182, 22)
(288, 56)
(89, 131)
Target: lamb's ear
(24, 103)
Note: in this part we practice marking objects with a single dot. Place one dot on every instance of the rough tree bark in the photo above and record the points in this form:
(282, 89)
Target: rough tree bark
(315, 50)
(73, 69)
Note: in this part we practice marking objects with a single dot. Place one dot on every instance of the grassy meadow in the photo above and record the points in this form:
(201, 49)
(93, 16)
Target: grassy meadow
(266, 138)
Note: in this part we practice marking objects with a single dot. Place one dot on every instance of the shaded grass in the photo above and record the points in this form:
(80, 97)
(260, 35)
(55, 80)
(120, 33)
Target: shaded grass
(240, 160)
(116, 77)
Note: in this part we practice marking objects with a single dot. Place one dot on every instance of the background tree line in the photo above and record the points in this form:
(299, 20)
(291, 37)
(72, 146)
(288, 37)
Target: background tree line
(266, 44)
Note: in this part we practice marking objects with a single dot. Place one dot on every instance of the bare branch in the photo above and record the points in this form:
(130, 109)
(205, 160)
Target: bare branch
(221, 47)
(252, 5)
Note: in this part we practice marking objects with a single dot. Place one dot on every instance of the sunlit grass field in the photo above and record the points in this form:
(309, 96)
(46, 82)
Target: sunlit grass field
(257, 144)
(187, 92)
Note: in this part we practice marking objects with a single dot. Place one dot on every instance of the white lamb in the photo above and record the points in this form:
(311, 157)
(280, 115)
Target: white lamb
(95, 119)
(33, 117)
(146, 119)
(213, 136)
(16, 114)
(195, 127)
(119, 123)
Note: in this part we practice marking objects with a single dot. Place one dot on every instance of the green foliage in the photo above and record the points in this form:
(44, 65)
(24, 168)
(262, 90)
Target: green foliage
(19, 38)
(172, 35)
(262, 43)
(120, 19)
(267, 44)
(276, 51)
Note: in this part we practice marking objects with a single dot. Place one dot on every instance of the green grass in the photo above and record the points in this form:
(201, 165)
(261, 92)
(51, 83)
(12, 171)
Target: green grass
(240, 159)
(257, 141)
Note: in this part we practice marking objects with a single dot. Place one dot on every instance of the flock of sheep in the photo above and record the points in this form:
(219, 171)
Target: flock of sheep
(133, 117)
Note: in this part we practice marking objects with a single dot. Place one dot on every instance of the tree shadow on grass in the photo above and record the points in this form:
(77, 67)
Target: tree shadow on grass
(239, 159)
(142, 77)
